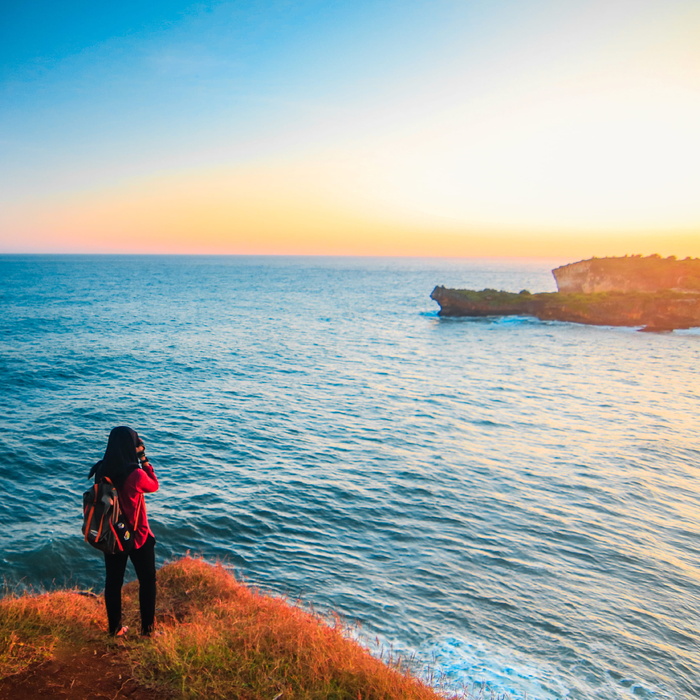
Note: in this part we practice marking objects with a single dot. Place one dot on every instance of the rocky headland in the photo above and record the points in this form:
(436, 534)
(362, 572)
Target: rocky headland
(658, 294)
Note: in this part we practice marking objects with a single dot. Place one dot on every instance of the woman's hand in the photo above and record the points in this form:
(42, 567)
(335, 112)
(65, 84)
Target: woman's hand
(141, 453)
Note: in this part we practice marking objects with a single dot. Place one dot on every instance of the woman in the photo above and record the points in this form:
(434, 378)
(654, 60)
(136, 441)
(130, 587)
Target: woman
(125, 463)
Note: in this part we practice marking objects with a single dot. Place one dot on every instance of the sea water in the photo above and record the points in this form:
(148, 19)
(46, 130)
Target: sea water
(514, 505)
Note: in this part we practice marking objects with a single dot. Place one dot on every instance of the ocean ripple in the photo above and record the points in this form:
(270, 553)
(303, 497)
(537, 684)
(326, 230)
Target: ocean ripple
(513, 504)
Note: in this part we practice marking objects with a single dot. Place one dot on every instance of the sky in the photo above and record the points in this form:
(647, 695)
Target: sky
(471, 128)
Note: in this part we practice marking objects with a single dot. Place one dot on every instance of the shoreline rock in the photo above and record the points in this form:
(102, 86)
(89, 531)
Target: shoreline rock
(653, 312)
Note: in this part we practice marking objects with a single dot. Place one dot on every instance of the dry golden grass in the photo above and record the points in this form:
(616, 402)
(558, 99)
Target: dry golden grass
(216, 638)
(220, 639)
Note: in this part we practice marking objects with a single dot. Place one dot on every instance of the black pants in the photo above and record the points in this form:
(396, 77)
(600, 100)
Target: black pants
(144, 561)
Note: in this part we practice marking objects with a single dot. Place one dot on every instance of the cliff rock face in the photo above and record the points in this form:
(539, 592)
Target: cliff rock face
(655, 312)
(629, 274)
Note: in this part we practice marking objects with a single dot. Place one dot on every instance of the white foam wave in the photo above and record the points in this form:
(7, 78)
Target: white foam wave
(459, 663)
(473, 668)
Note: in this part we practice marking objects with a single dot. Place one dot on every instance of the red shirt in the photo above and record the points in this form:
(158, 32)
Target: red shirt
(140, 481)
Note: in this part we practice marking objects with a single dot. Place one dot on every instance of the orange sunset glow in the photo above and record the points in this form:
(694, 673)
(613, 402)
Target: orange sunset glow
(452, 130)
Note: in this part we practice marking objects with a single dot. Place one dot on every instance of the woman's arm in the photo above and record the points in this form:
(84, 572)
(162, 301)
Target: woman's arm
(146, 480)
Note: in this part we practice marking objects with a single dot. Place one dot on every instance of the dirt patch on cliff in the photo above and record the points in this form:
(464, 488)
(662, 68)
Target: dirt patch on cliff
(79, 673)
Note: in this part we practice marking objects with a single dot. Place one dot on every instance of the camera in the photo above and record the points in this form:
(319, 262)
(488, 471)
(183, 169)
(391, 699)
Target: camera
(142, 454)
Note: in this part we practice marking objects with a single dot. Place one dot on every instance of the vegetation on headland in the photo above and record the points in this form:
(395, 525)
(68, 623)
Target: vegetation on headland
(662, 310)
(216, 638)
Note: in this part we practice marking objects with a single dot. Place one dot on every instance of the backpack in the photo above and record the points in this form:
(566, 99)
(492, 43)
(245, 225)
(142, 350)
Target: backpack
(105, 526)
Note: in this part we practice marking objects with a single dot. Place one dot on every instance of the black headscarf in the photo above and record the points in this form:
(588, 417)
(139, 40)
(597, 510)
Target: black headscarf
(120, 458)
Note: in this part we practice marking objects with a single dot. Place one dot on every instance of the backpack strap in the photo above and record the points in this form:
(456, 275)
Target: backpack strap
(137, 514)
(89, 512)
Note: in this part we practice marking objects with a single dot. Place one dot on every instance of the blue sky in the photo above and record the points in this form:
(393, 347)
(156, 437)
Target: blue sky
(371, 126)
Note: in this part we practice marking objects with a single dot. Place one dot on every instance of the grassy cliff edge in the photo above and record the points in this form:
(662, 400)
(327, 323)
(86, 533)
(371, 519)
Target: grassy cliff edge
(217, 638)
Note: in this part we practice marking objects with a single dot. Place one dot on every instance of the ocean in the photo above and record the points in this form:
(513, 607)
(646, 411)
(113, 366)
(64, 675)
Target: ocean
(512, 504)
